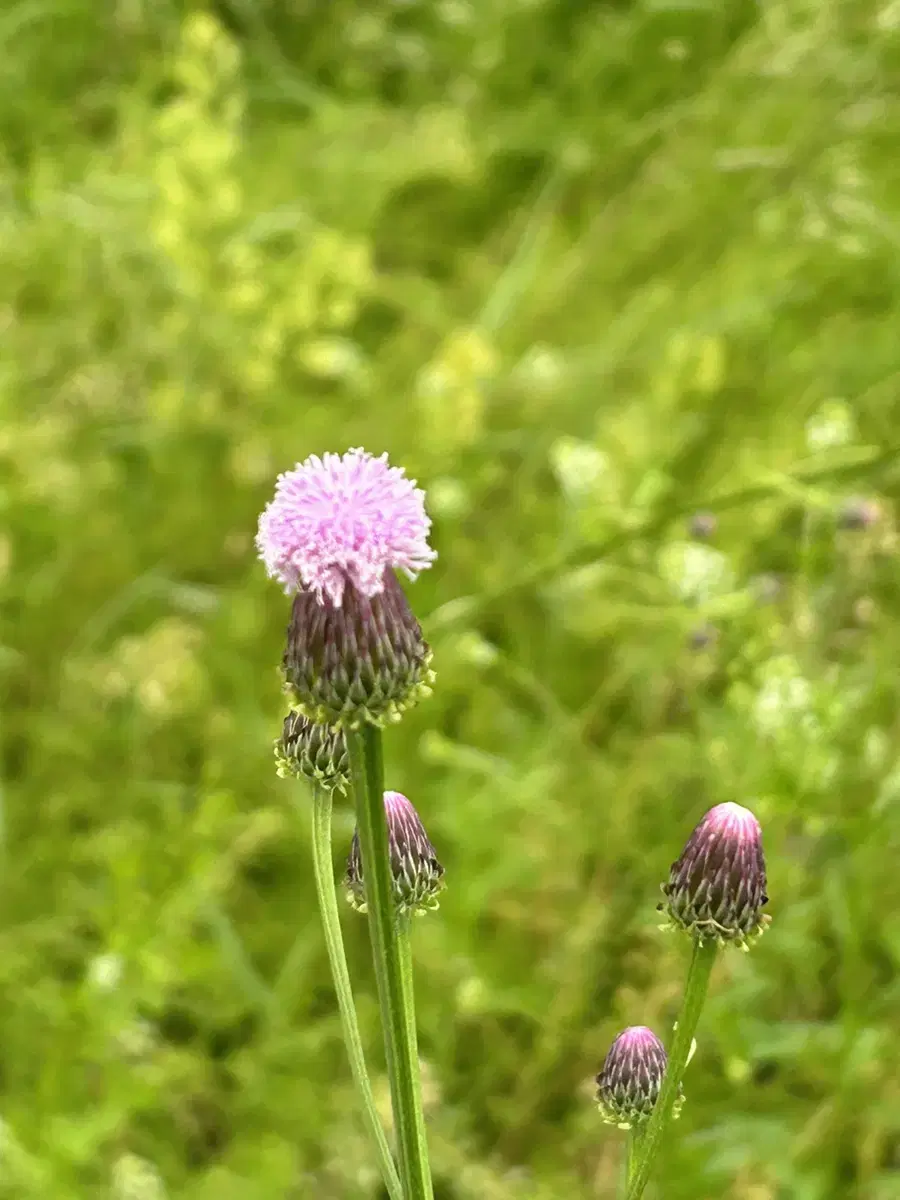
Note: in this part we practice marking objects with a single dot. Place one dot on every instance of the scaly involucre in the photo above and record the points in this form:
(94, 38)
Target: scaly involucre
(417, 875)
(717, 887)
(632, 1074)
(313, 752)
(365, 662)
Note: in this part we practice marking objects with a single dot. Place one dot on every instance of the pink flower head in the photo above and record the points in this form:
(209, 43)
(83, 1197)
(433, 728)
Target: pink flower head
(343, 519)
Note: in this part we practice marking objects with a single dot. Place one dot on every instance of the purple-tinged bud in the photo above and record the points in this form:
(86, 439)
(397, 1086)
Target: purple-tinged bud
(859, 513)
(767, 588)
(363, 660)
(632, 1074)
(717, 888)
(314, 752)
(417, 875)
(703, 526)
(703, 637)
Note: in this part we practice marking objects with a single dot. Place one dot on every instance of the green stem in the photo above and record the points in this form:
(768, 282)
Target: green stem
(691, 1006)
(367, 775)
(323, 868)
(406, 971)
(632, 1154)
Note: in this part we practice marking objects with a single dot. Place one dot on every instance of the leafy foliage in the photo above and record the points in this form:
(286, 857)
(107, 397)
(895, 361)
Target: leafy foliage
(584, 271)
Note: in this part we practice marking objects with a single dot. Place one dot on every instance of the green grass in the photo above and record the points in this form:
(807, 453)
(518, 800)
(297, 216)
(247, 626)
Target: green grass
(584, 270)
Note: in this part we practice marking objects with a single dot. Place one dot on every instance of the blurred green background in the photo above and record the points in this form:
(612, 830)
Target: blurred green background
(585, 270)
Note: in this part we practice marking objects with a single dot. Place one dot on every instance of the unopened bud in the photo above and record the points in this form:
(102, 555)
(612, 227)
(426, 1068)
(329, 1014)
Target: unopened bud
(703, 526)
(717, 887)
(416, 873)
(314, 752)
(629, 1083)
(859, 513)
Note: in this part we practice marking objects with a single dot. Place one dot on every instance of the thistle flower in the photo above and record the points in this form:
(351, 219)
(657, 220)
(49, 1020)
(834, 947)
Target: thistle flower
(717, 888)
(336, 531)
(314, 752)
(417, 874)
(632, 1074)
(344, 520)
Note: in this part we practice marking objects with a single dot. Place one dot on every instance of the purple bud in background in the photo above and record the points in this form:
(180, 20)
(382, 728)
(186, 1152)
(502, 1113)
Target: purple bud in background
(717, 888)
(859, 513)
(632, 1074)
(703, 637)
(335, 533)
(417, 875)
(317, 753)
(767, 588)
(703, 526)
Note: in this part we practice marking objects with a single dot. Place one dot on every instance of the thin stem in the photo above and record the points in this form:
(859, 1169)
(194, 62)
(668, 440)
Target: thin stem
(632, 1154)
(406, 971)
(323, 868)
(367, 775)
(695, 990)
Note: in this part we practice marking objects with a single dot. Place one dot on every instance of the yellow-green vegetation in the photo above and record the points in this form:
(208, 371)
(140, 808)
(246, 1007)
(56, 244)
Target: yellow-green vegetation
(585, 270)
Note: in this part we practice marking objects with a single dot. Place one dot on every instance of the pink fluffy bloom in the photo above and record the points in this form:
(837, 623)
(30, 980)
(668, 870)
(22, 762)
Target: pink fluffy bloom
(343, 519)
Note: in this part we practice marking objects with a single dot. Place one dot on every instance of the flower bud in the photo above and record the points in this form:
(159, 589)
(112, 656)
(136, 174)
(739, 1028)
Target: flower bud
(364, 660)
(314, 752)
(628, 1085)
(717, 888)
(417, 875)
(703, 526)
(859, 513)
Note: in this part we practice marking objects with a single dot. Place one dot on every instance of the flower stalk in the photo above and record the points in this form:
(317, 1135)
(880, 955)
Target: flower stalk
(367, 780)
(406, 974)
(632, 1155)
(323, 869)
(695, 990)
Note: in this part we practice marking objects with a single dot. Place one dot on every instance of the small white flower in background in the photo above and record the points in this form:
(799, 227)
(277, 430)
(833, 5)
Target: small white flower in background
(332, 358)
(579, 467)
(540, 367)
(134, 1178)
(136, 1041)
(474, 650)
(831, 426)
(695, 572)
(449, 497)
(784, 699)
(104, 972)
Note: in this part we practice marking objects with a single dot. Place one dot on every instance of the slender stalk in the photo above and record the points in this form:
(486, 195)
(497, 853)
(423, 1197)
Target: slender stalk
(695, 990)
(406, 972)
(367, 776)
(323, 868)
(632, 1154)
